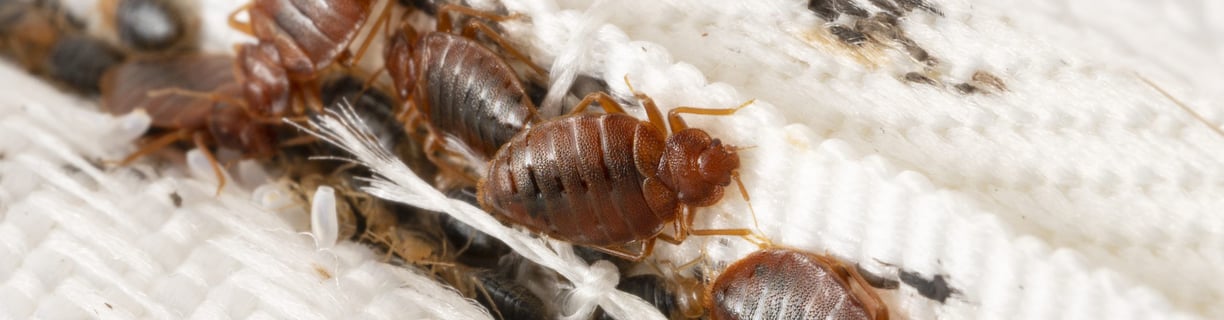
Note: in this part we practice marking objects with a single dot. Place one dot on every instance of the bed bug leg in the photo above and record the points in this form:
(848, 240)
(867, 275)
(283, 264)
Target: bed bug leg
(244, 27)
(870, 300)
(472, 27)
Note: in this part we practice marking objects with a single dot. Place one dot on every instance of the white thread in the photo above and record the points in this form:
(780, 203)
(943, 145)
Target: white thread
(396, 182)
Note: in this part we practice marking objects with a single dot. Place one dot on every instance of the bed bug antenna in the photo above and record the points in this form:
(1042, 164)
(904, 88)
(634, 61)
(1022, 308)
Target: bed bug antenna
(756, 236)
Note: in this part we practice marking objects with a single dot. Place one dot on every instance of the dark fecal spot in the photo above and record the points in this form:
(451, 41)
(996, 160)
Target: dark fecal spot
(848, 35)
(887, 6)
(935, 288)
(919, 78)
(965, 88)
(909, 5)
(758, 270)
(176, 199)
(987, 80)
(831, 9)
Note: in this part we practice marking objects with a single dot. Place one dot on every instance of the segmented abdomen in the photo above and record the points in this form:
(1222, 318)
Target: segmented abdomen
(782, 284)
(472, 94)
(577, 179)
(309, 34)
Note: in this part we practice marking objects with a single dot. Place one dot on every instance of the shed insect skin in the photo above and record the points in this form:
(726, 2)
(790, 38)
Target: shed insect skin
(779, 283)
(608, 180)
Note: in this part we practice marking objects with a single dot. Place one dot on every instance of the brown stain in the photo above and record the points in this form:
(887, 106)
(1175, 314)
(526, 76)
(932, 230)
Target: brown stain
(322, 272)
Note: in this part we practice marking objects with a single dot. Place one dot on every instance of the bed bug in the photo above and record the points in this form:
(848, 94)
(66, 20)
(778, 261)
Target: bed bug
(464, 90)
(297, 40)
(376, 108)
(606, 180)
(151, 25)
(779, 283)
(207, 122)
(663, 294)
(309, 35)
(472, 247)
(466, 97)
(507, 299)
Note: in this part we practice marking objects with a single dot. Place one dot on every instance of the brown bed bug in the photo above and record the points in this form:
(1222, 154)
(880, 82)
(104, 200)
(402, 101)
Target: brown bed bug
(608, 180)
(309, 35)
(207, 122)
(779, 283)
(297, 41)
(467, 95)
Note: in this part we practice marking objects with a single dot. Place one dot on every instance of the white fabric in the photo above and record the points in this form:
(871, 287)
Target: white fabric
(1079, 193)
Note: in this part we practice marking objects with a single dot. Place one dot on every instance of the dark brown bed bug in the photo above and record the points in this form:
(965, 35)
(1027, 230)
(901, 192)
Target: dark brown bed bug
(483, 114)
(609, 180)
(507, 299)
(463, 89)
(472, 247)
(779, 283)
(216, 121)
(465, 97)
(663, 293)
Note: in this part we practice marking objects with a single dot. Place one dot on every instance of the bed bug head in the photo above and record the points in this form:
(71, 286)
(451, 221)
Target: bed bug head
(717, 163)
(697, 167)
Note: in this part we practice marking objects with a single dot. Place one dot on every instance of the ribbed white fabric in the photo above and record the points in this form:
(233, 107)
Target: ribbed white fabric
(1080, 193)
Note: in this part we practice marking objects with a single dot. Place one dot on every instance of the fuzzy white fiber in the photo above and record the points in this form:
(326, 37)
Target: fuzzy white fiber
(1080, 192)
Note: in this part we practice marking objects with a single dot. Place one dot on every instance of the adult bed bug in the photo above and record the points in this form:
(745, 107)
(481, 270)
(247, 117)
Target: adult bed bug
(606, 180)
